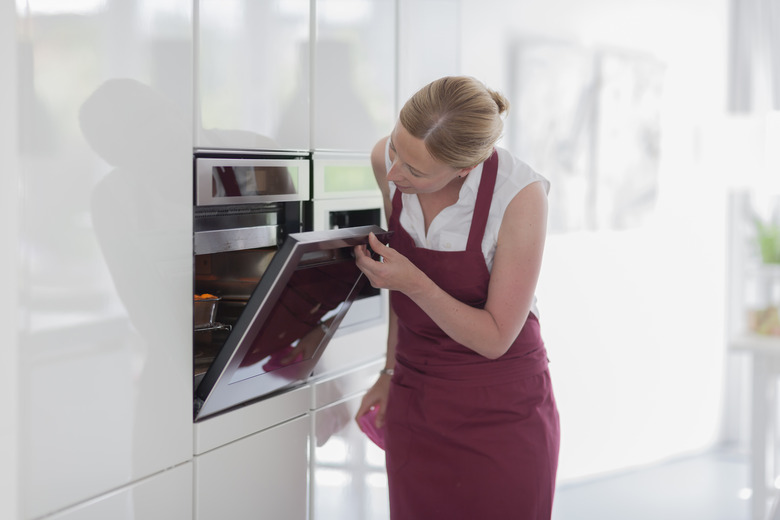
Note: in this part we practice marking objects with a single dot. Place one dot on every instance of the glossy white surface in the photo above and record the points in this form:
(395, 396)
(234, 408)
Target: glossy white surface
(348, 479)
(353, 350)
(104, 245)
(165, 496)
(354, 73)
(261, 476)
(9, 237)
(335, 387)
(429, 43)
(253, 74)
(223, 429)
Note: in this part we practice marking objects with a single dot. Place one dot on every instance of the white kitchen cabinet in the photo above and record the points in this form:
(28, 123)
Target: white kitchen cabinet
(263, 476)
(354, 347)
(348, 477)
(252, 70)
(9, 261)
(166, 496)
(428, 43)
(354, 73)
(103, 246)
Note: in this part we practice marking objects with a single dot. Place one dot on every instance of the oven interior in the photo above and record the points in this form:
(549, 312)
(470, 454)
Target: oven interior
(230, 276)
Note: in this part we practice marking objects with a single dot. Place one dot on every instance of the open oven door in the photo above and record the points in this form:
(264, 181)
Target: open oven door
(289, 319)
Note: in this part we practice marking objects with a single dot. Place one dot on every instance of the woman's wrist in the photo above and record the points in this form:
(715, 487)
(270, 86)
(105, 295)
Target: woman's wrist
(386, 372)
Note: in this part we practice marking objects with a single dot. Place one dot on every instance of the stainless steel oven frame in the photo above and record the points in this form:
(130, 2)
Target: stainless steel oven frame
(265, 166)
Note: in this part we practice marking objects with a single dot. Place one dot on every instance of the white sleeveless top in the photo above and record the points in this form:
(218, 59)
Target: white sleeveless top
(449, 231)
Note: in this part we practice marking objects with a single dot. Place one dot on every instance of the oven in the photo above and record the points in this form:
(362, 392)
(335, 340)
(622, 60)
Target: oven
(272, 283)
(344, 195)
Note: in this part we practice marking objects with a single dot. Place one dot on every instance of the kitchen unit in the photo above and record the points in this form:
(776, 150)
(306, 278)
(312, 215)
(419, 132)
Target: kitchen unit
(354, 74)
(345, 194)
(252, 74)
(103, 258)
(429, 43)
(253, 461)
(348, 479)
(101, 247)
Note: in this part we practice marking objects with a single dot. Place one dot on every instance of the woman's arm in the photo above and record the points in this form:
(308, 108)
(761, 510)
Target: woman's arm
(377, 394)
(380, 173)
(516, 265)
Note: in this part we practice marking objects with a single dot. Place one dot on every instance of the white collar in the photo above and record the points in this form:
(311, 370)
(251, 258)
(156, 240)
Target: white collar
(470, 186)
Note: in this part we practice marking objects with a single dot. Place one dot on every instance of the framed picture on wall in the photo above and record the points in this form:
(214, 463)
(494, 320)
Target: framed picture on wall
(589, 120)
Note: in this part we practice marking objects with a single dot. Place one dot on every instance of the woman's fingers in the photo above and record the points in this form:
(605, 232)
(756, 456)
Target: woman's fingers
(365, 406)
(380, 417)
(378, 247)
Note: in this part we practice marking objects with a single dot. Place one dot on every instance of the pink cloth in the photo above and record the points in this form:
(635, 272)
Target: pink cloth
(367, 423)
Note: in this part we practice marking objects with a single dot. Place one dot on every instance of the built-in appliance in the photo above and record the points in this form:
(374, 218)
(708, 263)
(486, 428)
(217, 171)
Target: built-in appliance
(270, 292)
(345, 194)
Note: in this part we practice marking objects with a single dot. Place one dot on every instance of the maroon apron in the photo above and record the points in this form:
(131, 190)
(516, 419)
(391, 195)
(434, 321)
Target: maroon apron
(467, 437)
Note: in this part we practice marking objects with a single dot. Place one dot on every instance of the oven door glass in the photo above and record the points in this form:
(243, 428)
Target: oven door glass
(228, 181)
(290, 317)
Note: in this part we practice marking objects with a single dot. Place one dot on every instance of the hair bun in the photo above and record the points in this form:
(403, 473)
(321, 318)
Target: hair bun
(501, 101)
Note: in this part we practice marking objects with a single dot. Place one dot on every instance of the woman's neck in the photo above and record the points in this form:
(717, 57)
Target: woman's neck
(433, 203)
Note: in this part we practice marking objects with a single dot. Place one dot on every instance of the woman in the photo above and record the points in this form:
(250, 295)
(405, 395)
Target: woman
(466, 400)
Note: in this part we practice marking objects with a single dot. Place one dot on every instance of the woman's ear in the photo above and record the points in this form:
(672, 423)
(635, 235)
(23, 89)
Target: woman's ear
(465, 171)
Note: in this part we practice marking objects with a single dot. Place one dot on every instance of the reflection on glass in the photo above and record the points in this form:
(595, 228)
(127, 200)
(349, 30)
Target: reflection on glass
(237, 181)
(376, 496)
(334, 452)
(333, 478)
(349, 481)
(296, 326)
(375, 456)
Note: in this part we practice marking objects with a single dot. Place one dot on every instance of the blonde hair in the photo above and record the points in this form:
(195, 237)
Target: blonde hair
(458, 118)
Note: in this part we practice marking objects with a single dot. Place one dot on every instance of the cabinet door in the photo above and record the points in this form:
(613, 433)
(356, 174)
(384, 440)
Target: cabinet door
(104, 247)
(253, 69)
(262, 476)
(167, 496)
(349, 481)
(429, 43)
(354, 73)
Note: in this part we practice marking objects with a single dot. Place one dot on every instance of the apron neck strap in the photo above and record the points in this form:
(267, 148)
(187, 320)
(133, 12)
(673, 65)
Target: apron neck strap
(482, 206)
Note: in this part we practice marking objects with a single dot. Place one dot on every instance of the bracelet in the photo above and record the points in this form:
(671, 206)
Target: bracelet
(386, 372)
(324, 327)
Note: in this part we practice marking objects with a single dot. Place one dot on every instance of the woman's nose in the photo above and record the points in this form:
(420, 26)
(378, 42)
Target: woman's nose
(393, 173)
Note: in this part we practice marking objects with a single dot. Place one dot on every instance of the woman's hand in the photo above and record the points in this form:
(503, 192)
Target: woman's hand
(394, 272)
(376, 396)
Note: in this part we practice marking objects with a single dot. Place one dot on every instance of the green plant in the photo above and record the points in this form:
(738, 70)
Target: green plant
(768, 238)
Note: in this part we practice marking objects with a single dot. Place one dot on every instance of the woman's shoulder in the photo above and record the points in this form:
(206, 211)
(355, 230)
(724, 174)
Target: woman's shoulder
(514, 174)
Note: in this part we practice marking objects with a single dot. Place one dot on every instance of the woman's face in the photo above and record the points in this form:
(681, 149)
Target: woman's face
(413, 169)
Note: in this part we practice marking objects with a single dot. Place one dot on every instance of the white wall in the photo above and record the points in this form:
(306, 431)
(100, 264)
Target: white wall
(633, 320)
(8, 274)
